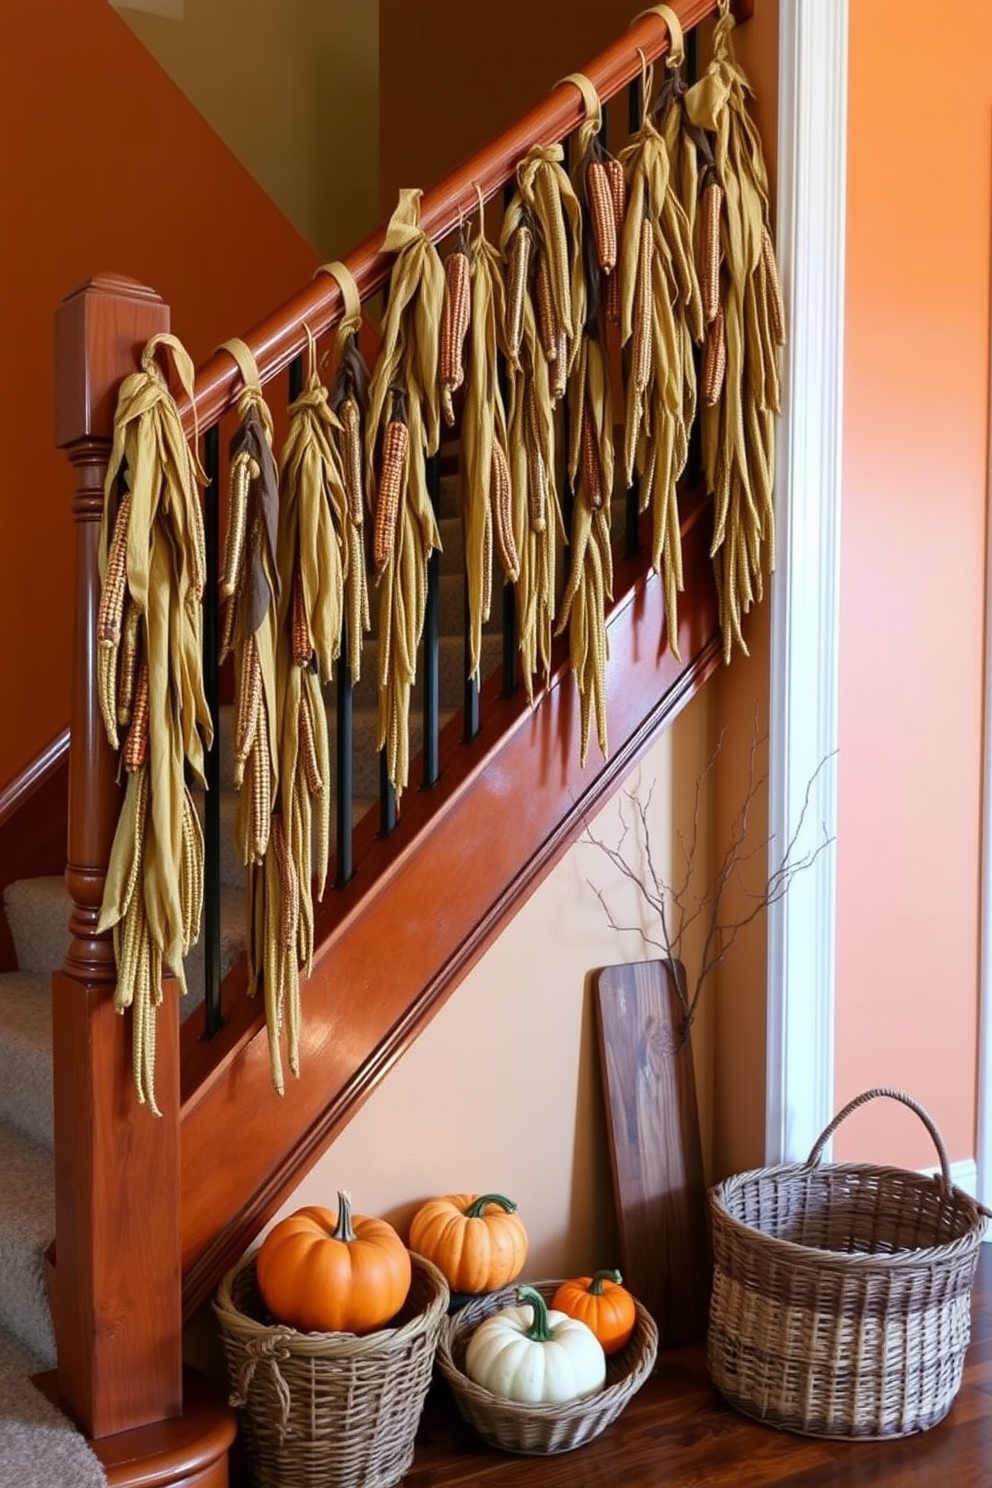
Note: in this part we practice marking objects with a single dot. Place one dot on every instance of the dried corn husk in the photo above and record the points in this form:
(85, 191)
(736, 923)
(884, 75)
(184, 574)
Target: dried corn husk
(153, 891)
(661, 320)
(737, 421)
(405, 370)
(487, 499)
(537, 522)
(590, 457)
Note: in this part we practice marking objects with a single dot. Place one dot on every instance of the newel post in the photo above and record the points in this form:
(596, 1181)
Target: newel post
(116, 1285)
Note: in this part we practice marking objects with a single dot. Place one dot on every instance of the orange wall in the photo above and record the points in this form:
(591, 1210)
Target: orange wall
(913, 572)
(103, 166)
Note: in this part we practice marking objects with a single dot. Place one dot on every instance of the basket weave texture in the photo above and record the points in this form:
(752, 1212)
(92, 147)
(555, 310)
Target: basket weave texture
(337, 1410)
(540, 1430)
(841, 1300)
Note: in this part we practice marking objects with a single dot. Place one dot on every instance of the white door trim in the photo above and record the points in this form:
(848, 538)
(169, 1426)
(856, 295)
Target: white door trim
(803, 724)
(983, 1136)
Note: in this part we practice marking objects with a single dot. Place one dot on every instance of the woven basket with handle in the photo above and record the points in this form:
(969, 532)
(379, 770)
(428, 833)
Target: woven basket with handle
(329, 1410)
(841, 1301)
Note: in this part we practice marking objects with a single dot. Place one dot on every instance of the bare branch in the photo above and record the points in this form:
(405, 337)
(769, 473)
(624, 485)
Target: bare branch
(675, 908)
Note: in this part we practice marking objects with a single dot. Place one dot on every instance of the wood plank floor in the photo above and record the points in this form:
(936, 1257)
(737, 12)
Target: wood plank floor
(678, 1433)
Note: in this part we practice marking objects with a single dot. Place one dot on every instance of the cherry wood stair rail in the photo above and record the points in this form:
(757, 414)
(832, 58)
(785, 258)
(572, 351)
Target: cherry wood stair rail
(147, 1218)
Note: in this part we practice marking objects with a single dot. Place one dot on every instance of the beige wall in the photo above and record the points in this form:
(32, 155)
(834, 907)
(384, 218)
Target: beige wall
(292, 88)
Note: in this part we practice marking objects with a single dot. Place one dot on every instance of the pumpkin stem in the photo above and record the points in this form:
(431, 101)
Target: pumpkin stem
(540, 1328)
(595, 1287)
(478, 1207)
(344, 1230)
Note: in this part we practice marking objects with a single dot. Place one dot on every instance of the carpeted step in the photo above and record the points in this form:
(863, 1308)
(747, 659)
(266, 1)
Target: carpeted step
(39, 1446)
(26, 1053)
(27, 1225)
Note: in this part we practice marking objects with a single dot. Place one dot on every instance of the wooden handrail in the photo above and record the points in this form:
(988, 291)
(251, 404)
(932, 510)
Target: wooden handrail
(281, 336)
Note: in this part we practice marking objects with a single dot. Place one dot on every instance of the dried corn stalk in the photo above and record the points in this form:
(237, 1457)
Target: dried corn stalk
(590, 456)
(312, 555)
(487, 485)
(531, 437)
(661, 322)
(349, 399)
(744, 333)
(404, 388)
(150, 682)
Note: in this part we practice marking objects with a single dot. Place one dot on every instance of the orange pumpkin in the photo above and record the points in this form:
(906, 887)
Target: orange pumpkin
(333, 1273)
(478, 1243)
(602, 1304)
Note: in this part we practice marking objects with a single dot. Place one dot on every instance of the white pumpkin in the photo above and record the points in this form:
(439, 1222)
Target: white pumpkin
(534, 1356)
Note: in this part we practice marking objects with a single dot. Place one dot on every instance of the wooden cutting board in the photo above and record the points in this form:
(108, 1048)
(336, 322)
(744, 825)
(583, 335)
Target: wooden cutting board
(655, 1150)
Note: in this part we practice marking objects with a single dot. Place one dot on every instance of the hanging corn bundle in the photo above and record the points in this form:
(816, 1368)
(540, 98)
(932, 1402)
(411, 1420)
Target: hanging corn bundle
(250, 590)
(598, 184)
(150, 688)
(403, 431)
(661, 321)
(487, 508)
(745, 327)
(540, 242)
(349, 399)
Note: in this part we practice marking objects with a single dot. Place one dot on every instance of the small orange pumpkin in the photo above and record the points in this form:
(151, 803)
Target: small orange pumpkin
(478, 1243)
(602, 1304)
(333, 1273)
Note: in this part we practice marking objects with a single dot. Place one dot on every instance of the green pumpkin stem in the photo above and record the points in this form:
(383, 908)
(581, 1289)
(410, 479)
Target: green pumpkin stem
(344, 1229)
(595, 1287)
(477, 1207)
(540, 1329)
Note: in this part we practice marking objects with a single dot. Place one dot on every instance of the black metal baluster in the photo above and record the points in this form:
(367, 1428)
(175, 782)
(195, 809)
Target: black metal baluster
(432, 644)
(212, 1012)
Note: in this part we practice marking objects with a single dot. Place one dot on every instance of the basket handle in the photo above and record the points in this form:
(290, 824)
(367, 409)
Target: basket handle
(907, 1100)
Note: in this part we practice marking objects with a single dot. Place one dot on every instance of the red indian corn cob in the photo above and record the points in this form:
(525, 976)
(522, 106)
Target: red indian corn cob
(395, 447)
(602, 214)
(501, 499)
(709, 279)
(518, 268)
(714, 359)
(592, 477)
(136, 743)
(302, 639)
(455, 313)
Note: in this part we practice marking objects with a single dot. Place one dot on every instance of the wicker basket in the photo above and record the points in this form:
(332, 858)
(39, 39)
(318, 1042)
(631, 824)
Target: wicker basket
(541, 1429)
(841, 1302)
(336, 1410)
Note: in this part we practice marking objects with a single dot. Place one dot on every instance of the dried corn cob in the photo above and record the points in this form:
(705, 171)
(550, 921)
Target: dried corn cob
(548, 199)
(537, 489)
(518, 270)
(714, 360)
(501, 497)
(249, 706)
(618, 190)
(289, 887)
(602, 214)
(395, 448)
(302, 639)
(243, 471)
(351, 442)
(643, 308)
(136, 744)
(308, 748)
(776, 306)
(111, 607)
(592, 479)
(548, 325)
(455, 313)
(261, 795)
(709, 248)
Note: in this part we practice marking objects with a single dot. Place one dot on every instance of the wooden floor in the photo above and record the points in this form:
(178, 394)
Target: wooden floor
(677, 1432)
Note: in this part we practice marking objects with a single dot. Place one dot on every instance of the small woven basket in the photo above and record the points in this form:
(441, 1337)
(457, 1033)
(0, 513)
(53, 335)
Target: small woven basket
(338, 1410)
(841, 1301)
(539, 1430)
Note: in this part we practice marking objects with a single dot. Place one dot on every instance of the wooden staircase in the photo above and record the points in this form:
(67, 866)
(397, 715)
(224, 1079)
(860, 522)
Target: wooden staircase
(130, 1187)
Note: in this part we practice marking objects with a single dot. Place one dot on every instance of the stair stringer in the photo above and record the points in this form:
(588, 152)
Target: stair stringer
(423, 906)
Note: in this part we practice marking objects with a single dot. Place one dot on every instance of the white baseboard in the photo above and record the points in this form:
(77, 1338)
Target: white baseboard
(964, 1175)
